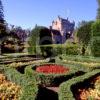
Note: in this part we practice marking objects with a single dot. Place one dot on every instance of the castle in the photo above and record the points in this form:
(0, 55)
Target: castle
(61, 30)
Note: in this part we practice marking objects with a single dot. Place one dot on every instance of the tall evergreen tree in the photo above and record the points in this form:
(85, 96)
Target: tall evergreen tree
(2, 24)
(1, 13)
(98, 10)
(2, 21)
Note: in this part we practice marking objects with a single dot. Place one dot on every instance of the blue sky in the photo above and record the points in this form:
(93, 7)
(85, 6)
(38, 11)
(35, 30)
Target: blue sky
(28, 13)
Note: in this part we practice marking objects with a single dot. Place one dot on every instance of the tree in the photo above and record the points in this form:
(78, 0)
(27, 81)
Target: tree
(2, 21)
(1, 13)
(2, 26)
(19, 32)
(82, 23)
(98, 10)
(84, 35)
(95, 40)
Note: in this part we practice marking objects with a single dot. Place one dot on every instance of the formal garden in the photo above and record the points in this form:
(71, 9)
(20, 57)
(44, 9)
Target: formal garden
(30, 70)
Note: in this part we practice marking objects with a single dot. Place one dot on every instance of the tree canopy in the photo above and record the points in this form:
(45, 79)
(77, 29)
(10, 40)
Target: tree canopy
(1, 12)
(98, 10)
(2, 22)
(84, 33)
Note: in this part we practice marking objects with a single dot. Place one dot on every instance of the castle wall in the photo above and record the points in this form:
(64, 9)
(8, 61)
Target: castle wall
(65, 27)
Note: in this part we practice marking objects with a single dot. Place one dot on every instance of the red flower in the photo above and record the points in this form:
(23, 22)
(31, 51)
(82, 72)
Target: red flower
(52, 68)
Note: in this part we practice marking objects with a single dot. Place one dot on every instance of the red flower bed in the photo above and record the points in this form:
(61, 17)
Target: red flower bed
(52, 68)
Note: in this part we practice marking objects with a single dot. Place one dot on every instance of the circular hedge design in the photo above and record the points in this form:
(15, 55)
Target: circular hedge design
(52, 74)
(52, 69)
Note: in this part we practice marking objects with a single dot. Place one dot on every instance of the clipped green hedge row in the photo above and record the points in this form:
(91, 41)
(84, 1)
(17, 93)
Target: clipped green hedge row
(27, 83)
(65, 89)
(55, 79)
(67, 49)
(80, 58)
(57, 49)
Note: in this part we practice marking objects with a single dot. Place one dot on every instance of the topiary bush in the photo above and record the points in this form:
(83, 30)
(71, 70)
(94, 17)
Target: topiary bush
(95, 41)
(40, 36)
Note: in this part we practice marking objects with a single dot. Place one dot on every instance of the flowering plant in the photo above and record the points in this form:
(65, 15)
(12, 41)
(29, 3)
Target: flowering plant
(52, 68)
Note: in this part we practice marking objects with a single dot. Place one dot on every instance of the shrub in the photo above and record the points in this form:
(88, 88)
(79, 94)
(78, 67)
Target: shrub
(78, 58)
(84, 33)
(27, 83)
(95, 46)
(65, 91)
(86, 63)
(95, 41)
(72, 49)
(96, 28)
(58, 49)
(46, 50)
(55, 79)
(39, 36)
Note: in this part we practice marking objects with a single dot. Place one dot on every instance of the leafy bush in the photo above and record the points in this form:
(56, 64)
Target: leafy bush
(39, 36)
(58, 49)
(96, 28)
(65, 91)
(84, 33)
(95, 46)
(40, 42)
(73, 49)
(84, 62)
(95, 41)
(27, 83)
(55, 79)
(78, 58)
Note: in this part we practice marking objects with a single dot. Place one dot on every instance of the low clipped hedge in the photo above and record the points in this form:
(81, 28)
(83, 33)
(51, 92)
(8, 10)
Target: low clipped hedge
(86, 62)
(27, 83)
(57, 49)
(77, 58)
(65, 90)
(55, 79)
(67, 49)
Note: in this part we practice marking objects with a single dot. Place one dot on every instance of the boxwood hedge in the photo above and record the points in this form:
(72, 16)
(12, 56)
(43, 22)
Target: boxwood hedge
(55, 79)
(27, 83)
(65, 89)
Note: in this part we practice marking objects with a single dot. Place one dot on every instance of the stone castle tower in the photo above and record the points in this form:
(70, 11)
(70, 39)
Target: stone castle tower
(65, 27)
